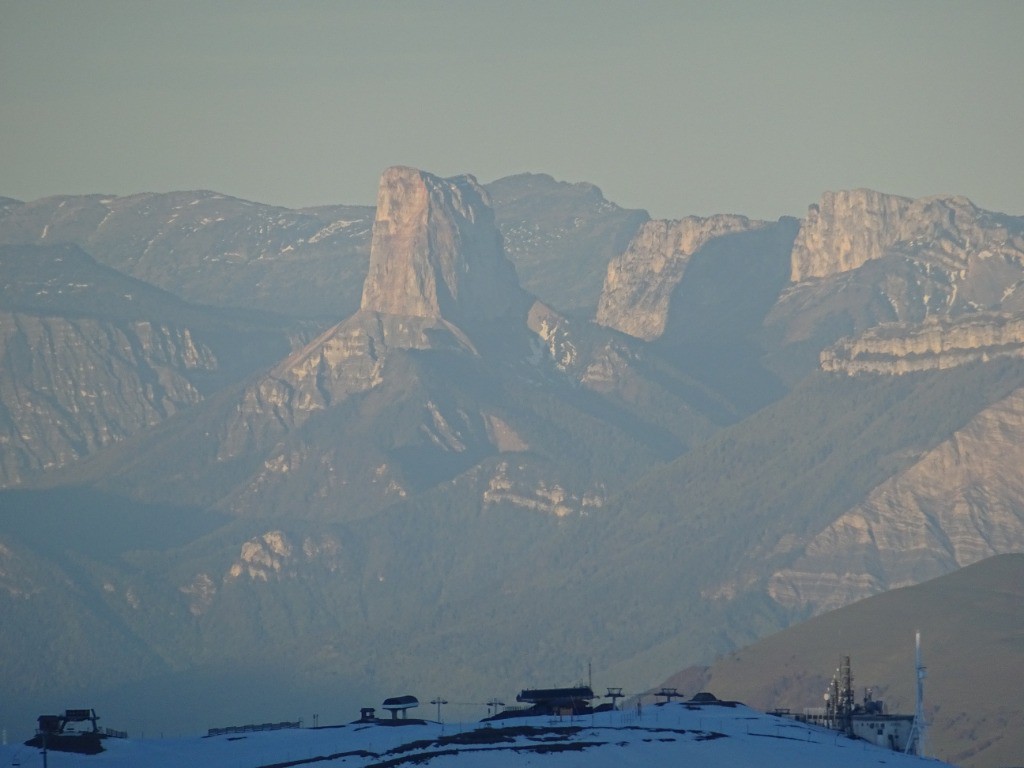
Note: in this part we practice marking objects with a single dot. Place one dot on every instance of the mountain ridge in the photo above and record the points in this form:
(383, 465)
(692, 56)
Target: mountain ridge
(970, 629)
(485, 471)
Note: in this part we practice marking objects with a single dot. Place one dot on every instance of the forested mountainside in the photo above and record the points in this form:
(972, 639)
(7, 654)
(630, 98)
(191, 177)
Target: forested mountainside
(511, 429)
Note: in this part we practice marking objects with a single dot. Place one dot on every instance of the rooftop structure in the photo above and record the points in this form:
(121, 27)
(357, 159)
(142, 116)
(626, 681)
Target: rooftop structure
(399, 706)
(564, 701)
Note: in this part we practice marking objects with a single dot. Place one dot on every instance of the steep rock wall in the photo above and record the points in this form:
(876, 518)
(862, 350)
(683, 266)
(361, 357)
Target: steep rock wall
(436, 251)
(849, 228)
(937, 343)
(639, 284)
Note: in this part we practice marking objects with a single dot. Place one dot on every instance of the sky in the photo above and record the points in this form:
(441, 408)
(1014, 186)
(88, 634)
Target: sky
(680, 108)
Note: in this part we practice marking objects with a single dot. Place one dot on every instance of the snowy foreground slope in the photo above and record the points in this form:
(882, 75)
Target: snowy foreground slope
(708, 735)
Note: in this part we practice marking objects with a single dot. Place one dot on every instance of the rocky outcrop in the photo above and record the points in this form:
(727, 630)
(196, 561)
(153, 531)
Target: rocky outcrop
(639, 284)
(436, 268)
(71, 386)
(508, 486)
(436, 251)
(555, 340)
(937, 343)
(863, 259)
(850, 228)
(276, 555)
(959, 503)
(436, 261)
(846, 229)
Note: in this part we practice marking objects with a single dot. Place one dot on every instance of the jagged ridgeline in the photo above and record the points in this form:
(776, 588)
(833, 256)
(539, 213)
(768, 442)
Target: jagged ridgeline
(487, 433)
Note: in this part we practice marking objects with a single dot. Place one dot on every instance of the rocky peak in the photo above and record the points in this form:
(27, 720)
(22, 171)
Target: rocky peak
(437, 270)
(436, 251)
(640, 282)
(849, 228)
(911, 284)
(844, 230)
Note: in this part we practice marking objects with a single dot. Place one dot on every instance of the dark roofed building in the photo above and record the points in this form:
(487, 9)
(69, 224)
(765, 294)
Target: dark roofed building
(399, 705)
(558, 701)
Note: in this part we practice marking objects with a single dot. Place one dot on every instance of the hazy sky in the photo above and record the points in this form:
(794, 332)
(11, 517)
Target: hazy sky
(677, 107)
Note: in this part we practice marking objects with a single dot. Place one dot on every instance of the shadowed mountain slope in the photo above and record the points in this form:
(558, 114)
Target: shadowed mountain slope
(972, 631)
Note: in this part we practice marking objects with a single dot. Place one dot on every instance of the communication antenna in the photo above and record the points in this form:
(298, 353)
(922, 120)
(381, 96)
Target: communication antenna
(846, 697)
(915, 742)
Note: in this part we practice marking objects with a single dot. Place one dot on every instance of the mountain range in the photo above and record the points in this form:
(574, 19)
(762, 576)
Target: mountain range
(481, 436)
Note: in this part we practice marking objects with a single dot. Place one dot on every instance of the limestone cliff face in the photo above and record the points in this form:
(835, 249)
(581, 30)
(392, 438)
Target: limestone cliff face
(639, 284)
(960, 503)
(850, 228)
(846, 229)
(436, 268)
(555, 340)
(937, 343)
(436, 251)
(436, 261)
(439, 282)
(863, 259)
(71, 386)
(89, 356)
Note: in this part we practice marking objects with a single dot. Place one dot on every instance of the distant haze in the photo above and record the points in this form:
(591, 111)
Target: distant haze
(679, 108)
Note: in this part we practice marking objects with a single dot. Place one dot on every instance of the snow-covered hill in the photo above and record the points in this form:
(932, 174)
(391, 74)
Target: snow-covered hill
(687, 733)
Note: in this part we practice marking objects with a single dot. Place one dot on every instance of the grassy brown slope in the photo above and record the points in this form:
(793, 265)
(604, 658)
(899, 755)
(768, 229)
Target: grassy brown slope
(972, 629)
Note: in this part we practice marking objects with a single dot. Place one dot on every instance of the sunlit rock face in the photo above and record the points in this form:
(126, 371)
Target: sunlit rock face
(936, 344)
(847, 229)
(639, 284)
(890, 284)
(436, 262)
(437, 275)
(959, 503)
(436, 251)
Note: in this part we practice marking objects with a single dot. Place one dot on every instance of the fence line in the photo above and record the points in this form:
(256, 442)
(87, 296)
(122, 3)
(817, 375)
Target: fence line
(253, 727)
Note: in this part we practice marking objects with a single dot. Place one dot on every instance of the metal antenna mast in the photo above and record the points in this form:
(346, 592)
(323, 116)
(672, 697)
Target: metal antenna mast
(915, 741)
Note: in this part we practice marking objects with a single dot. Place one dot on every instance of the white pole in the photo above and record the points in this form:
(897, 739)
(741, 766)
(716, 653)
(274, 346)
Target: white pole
(917, 730)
